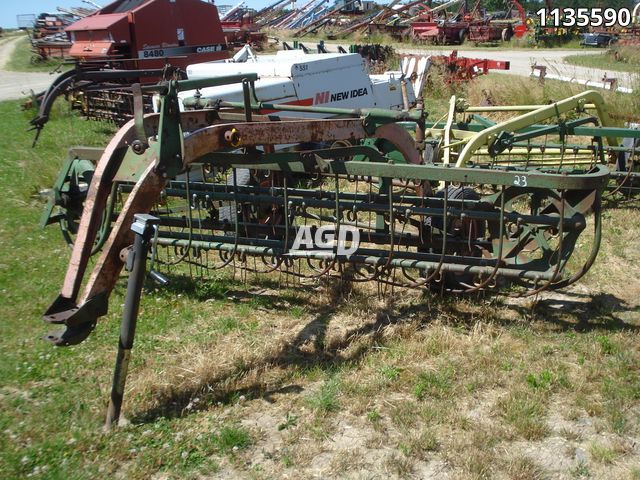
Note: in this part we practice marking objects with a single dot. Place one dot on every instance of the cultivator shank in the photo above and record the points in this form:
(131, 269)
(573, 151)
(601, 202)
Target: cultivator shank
(368, 195)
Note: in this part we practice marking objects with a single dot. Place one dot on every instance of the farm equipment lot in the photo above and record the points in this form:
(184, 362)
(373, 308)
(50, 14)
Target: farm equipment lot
(260, 377)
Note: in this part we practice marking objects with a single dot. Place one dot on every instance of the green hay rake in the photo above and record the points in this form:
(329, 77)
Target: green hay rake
(463, 205)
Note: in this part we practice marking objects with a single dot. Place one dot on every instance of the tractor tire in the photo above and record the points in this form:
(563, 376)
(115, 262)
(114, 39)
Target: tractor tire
(506, 34)
(457, 193)
(462, 36)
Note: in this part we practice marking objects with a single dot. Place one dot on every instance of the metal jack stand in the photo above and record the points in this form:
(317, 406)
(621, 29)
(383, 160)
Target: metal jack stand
(143, 226)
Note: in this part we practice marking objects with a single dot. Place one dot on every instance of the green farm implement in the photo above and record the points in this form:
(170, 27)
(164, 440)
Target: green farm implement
(464, 204)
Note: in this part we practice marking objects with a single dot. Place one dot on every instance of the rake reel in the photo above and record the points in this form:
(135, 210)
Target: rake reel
(564, 134)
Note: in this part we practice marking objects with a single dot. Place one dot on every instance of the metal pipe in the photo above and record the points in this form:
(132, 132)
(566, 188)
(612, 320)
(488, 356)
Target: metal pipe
(514, 108)
(370, 260)
(143, 227)
(413, 116)
(489, 135)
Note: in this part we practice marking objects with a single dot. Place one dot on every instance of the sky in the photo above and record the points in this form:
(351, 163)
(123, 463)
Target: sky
(10, 8)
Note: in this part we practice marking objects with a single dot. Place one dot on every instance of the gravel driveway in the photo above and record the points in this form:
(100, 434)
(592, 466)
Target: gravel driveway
(15, 85)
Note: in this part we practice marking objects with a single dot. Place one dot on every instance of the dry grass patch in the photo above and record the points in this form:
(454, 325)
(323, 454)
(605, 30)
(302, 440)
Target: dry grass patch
(474, 452)
(419, 444)
(523, 468)
(525, 412)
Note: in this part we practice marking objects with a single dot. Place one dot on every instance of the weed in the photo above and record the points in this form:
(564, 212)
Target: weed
(478, 462)
(286, 460)
(602, 453)
(543, 380)
(525, 411)
(416, 446)
(227, 324)
(289, 421)
(523, 468)
(297, 311)
(401, 465)
(390, 372)
(433, 384)
(325, 399)
(606, 345)
(404, 414)
(230, 438)
(580, 471)
(373, 416)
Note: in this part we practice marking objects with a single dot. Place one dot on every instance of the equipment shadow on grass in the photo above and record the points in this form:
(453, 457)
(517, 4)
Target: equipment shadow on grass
(597, 313)
(326, 357)
(263, 292)
(585, 312)
(622, 200)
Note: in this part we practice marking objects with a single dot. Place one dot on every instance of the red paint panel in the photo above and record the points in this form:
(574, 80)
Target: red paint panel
(97, 22)
(91, 49)
(156, 25)
(153, 34)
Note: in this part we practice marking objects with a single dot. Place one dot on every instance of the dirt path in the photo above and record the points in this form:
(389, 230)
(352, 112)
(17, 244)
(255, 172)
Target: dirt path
(15, 85)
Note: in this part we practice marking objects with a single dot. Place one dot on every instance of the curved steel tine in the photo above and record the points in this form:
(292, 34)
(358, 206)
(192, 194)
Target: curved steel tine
(559, 251)
(499, 260)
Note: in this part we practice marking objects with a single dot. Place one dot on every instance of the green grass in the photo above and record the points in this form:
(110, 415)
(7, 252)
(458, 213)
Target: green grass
(502, 89)
(46, 405)
(326, 398)
(525, 412)
(619, 59)
(231, 438)
(434, 384)
(24, 59)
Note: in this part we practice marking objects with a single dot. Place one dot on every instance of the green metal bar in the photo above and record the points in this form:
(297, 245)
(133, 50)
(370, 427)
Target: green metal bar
(184, 85)
(551, 129)
(483, 121)
(381, 207)
(519, 108)
(582, 131)
(489, 135)
(374, 113)
(369, 260)
(295, 162)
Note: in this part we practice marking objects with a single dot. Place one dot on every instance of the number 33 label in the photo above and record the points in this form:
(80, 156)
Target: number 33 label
(520, 181)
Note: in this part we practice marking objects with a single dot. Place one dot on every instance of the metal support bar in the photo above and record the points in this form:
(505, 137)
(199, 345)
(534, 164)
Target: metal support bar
(143, 227)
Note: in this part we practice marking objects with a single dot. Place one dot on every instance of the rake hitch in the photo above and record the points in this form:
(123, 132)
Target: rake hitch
(144, 227)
